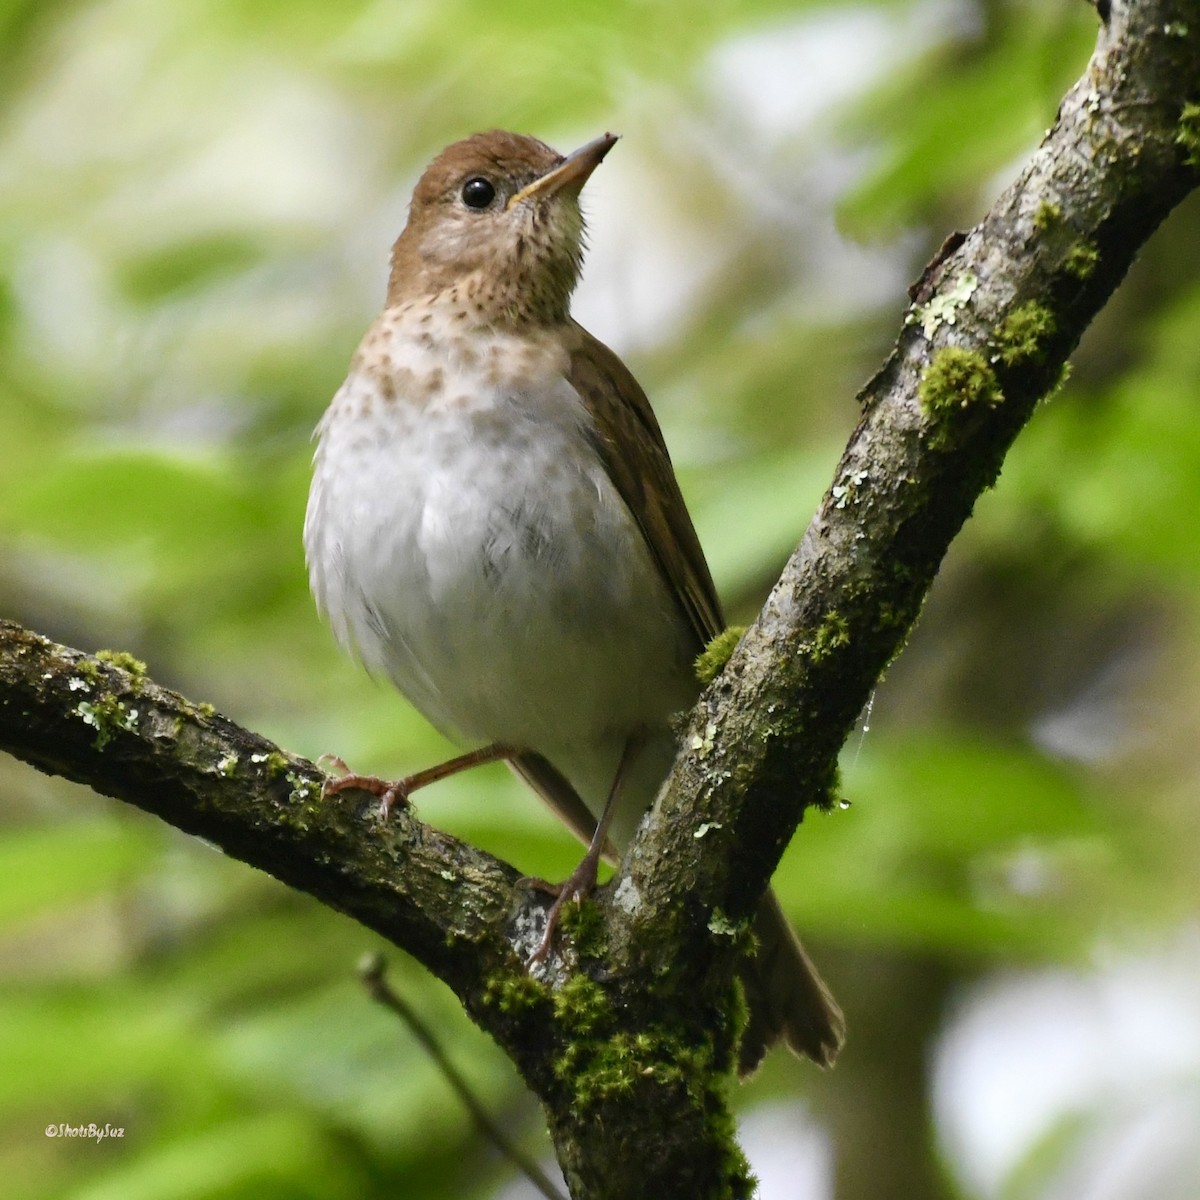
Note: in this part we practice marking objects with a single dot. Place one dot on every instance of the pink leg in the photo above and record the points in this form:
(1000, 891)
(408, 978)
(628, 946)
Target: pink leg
(397, 791)
(582, 881)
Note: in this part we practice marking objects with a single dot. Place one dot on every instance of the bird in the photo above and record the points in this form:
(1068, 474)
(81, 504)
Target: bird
(494, 525)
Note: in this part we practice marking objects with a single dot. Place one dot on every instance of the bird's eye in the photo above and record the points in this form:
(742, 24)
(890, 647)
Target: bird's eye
(478, 192)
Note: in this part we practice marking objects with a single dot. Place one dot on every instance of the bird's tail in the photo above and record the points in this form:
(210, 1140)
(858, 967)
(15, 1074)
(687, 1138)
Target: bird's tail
(788, 1000)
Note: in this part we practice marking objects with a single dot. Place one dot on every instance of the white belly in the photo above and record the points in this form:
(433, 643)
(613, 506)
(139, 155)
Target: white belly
(475, 553)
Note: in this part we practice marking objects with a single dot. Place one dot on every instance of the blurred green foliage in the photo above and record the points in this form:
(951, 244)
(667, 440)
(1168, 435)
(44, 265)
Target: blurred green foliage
(196, 202)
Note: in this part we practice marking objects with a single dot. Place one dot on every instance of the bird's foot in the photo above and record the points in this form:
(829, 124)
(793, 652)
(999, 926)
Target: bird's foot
(578, 886)
(397, 791)
(390, 791)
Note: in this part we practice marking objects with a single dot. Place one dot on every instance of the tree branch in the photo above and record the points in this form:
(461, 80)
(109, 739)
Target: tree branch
(102, 721)
(992, 322)
(625, 1039)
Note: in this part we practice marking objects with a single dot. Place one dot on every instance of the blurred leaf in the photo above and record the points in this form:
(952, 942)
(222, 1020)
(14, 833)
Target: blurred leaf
(952, 118)
(1120, 471)
(277, 1155)
(156, 275)
(955, 845)
(51, 866)
(68, 1048)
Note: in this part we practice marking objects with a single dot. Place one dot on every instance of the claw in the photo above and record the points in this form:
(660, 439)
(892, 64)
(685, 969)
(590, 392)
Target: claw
(578, 886)
(390, 791)
(397, 791)
(582, 881)
(334, 763)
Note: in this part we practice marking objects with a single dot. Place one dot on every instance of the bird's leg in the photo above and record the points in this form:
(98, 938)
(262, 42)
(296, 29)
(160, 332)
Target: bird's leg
(582, 881)
(397, 791)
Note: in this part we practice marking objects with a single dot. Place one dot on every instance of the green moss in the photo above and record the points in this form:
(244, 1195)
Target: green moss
(742, 1182)
(600, 1069)
(277, 764)
(723, 925)
(227, 765)
(86, 669)
(1047, 216)
(303, 789)
(737, 1021)
(956, 379)
(206, 710)
(583, 923)
(581, 1006)
(1081, 260)
(124, 660)
(515, 992)
(107, 715)
(1061, 382)
(891, 616)
(1022, 335)
(597, 1063)
(832, 633)
(711, 661)
(1188, 134)
(601, 1063)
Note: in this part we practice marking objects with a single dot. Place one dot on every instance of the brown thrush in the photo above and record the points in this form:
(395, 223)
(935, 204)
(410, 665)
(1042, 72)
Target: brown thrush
(494, 525)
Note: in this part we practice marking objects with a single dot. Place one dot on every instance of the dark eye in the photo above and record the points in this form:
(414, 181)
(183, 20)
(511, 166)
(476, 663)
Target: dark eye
(478, 192)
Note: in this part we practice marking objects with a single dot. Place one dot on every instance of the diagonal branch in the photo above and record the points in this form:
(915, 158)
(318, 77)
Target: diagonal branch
(992, 322)
(102, 721)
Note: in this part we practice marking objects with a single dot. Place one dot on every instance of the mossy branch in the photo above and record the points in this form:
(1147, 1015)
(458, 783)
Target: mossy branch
(101, 720)
(992, 323)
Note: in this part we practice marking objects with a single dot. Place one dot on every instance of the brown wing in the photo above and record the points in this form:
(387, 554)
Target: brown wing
(632, 447)
(788, 999)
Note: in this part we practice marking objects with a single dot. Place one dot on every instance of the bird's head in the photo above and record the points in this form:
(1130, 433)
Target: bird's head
(497, 216)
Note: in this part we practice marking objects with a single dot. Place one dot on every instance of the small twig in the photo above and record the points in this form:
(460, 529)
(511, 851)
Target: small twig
(372, 971)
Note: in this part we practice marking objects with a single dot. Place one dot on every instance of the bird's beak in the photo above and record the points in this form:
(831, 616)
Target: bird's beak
(571, 173)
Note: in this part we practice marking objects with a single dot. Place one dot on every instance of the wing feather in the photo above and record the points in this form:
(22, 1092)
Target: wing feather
(630, 443)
